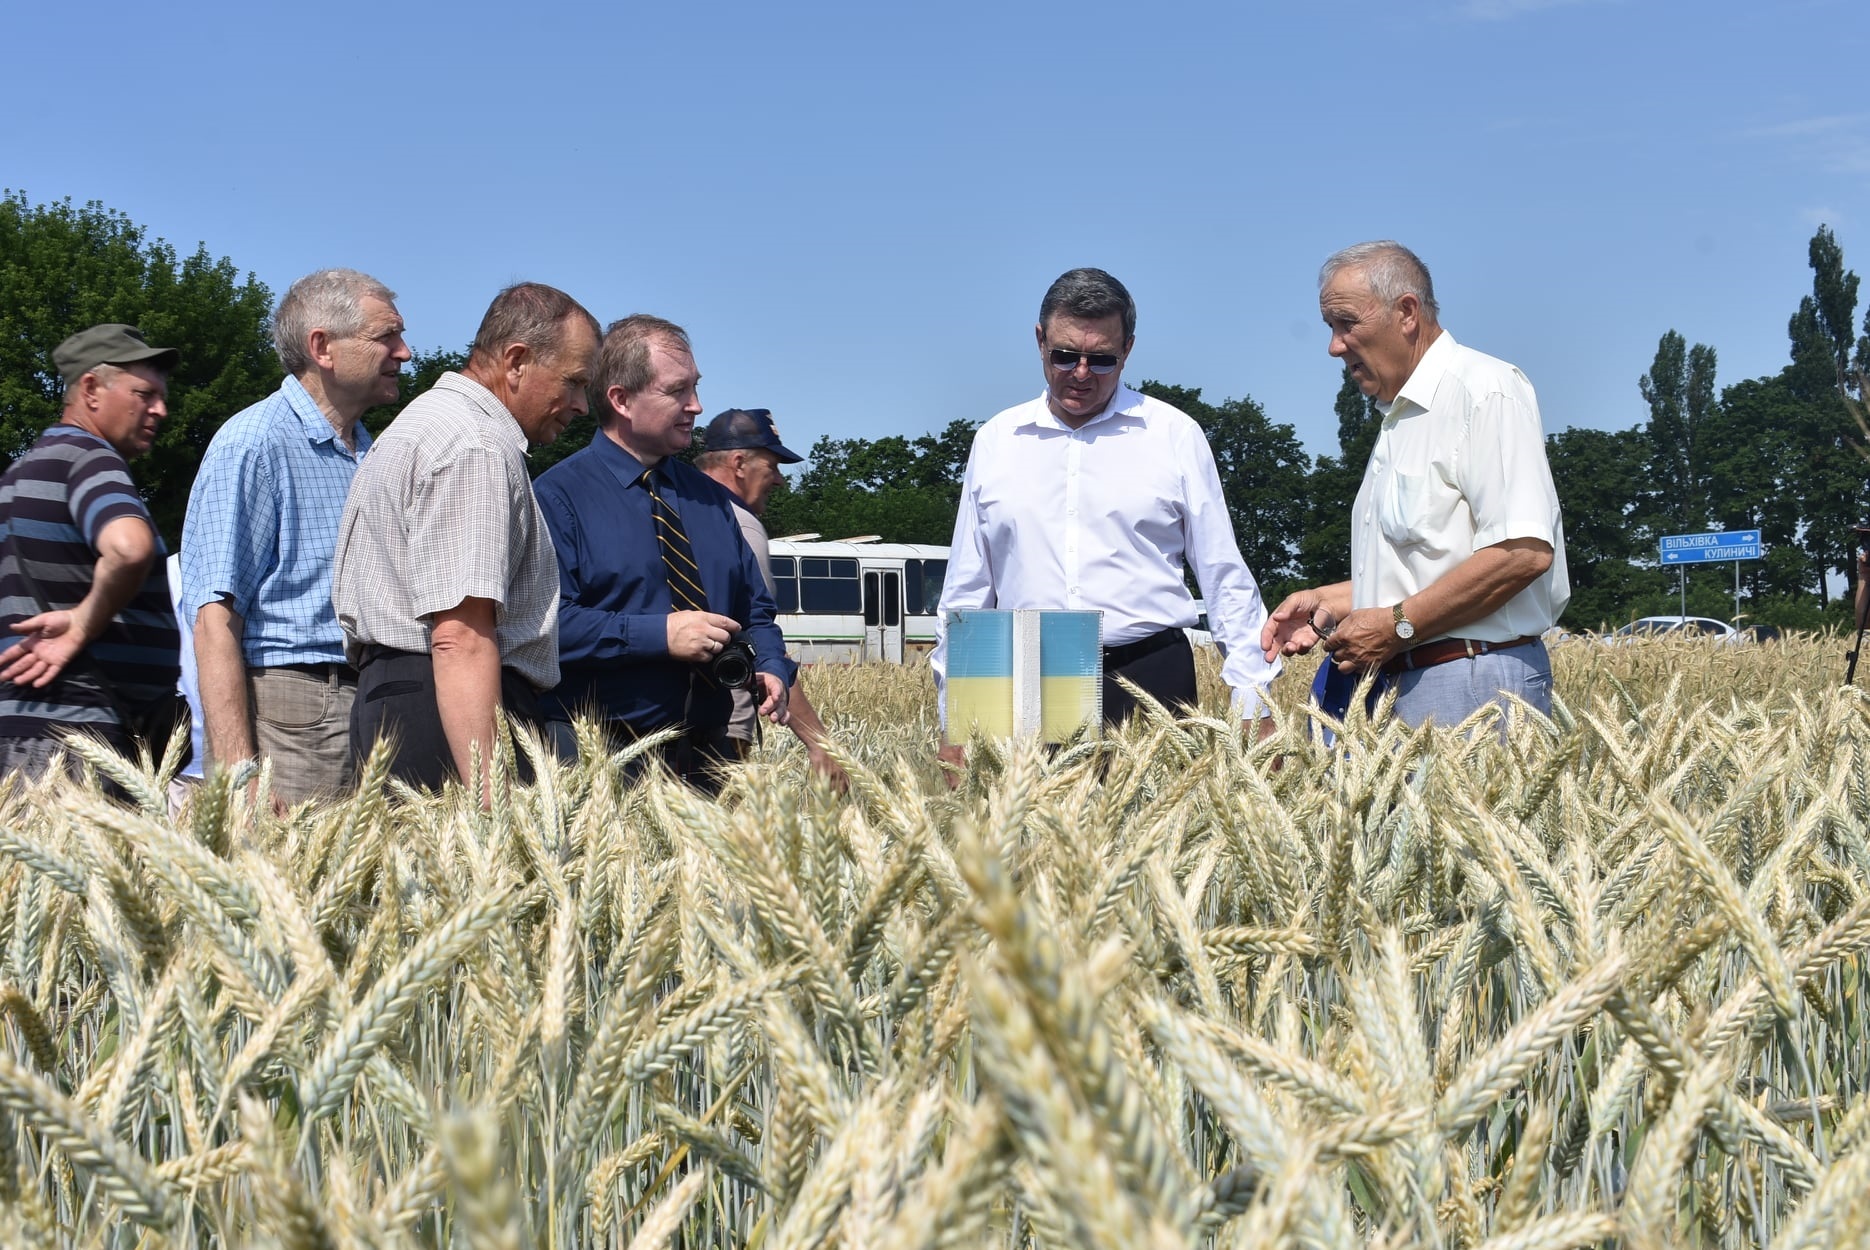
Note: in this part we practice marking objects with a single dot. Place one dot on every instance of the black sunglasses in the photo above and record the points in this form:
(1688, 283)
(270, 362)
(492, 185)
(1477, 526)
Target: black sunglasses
(1065, 360)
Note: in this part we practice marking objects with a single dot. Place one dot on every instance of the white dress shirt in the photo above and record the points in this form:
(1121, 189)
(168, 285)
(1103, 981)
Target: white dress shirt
(1104, 518)
(1459, 464)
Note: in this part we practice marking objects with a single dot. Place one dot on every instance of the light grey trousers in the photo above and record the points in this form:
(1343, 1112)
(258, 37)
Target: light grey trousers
(1450, 693)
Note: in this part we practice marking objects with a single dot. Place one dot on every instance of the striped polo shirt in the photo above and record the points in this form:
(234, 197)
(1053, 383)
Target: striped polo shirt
(54, 502)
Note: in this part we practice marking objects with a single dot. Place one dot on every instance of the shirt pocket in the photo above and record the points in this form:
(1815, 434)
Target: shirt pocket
(1413, 510)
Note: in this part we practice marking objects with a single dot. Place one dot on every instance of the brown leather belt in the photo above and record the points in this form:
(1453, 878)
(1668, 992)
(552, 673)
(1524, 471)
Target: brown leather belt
(1429, 654)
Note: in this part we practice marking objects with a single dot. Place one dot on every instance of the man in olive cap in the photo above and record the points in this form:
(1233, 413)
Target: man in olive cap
(82, 583)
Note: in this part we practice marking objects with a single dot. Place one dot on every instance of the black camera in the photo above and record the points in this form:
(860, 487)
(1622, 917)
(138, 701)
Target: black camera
(733, 666)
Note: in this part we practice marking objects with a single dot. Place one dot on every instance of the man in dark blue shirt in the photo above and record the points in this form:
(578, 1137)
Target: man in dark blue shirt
(655, 579)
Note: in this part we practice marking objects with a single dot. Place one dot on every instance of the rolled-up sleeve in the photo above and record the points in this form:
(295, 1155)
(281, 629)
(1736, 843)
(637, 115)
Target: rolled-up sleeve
(459, 527)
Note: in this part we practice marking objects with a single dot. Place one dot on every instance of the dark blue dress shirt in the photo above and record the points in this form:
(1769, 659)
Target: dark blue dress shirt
(614, 605)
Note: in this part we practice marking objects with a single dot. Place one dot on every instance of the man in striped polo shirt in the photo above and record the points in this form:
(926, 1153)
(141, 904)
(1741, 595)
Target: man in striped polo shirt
(82, 585)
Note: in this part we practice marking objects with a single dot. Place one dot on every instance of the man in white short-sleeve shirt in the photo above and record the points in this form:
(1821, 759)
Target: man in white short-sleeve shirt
(1457, 548)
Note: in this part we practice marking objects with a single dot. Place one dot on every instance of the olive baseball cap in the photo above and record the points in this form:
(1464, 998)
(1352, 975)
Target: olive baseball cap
(109, 344)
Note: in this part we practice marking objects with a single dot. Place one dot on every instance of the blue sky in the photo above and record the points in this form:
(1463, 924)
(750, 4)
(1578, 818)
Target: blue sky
(855, 208)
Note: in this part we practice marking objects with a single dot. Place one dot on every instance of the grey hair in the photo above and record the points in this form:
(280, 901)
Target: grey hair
(624, 358)
(1390, 270)
(530, 313)
(1089, 295)
(331, 300)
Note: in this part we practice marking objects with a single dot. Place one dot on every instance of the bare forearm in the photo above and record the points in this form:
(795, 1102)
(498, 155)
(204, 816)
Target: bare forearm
(466, 658)
(221, 670)
(805, 720)
(467, 690)
(1479, 585)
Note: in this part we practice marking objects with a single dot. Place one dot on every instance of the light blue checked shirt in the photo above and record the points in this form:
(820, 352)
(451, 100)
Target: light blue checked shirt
(262, 527)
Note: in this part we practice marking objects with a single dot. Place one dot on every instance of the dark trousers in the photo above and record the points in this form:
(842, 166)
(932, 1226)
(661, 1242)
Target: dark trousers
(396, 700)
(1163, 665)
(698, 757)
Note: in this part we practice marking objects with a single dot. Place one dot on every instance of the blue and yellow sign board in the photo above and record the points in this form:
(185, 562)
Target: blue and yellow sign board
(1025, 673)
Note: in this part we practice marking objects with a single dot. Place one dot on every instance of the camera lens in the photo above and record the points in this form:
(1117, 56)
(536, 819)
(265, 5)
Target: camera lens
(733, 667)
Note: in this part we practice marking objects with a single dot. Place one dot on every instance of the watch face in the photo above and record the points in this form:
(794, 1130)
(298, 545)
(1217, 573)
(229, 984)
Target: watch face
(1404, 630)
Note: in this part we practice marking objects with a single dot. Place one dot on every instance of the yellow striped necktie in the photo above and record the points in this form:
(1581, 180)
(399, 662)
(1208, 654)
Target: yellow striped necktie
(678, 558)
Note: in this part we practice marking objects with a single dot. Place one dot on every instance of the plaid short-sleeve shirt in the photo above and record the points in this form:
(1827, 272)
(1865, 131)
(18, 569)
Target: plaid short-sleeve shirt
(442, 510)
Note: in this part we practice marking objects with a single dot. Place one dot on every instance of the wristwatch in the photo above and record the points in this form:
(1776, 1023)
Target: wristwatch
(1404, 630)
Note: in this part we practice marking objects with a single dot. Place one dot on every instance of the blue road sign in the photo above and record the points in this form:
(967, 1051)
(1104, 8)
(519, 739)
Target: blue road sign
(1714, 545)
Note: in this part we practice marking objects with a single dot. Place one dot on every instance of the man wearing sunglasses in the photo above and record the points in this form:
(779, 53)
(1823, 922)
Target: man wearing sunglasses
(1095, 497)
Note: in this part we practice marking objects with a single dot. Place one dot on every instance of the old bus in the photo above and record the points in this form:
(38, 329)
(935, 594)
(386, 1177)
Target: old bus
(857, 599)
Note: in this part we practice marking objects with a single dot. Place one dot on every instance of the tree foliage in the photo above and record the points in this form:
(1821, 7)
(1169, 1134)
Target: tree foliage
(1679, 389)
(1782, 453)
(1600, 477)
(63, 268)
(1263, 469)
(899, 489)
(1325, 547)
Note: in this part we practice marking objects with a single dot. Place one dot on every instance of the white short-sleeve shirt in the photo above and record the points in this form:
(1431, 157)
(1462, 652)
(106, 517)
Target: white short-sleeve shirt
(1459, 465)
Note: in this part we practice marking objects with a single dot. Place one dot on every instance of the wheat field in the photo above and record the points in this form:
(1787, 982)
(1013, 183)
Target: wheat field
(1593, 981)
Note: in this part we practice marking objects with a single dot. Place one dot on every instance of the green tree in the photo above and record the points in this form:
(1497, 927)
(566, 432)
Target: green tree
(1823, 322)
(1753, 471)
(1679, 389)
(417, 376)
(1331, 492)
(1829, 478)
(900, 489)
(1602, 478)
(1263, 469)
(63, 268)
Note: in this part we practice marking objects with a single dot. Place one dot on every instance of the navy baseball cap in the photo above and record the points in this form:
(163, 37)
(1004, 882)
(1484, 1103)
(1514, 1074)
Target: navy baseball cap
(747, 427)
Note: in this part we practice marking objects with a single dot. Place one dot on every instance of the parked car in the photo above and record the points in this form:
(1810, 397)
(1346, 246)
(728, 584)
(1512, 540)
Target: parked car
(1678, 626)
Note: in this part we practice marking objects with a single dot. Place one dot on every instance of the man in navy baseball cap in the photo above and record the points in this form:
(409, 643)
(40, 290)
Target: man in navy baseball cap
(741, 450)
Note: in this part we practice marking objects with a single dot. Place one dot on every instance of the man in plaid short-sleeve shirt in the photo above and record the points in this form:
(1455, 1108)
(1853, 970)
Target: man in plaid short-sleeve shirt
(446, 583)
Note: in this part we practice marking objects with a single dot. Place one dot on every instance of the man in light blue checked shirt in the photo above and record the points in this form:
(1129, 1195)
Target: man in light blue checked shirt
(261, 534)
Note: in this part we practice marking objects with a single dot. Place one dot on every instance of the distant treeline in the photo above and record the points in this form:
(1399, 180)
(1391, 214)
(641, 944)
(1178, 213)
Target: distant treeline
(1781, 453)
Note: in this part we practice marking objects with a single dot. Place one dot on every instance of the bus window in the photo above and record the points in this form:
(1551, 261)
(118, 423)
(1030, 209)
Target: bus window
(892, 600)
(922, 588)
(786, 583)
(830, 586)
